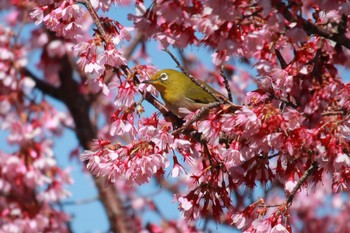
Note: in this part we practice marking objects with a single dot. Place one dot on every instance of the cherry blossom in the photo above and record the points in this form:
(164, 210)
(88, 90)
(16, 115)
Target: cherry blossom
(269, 159)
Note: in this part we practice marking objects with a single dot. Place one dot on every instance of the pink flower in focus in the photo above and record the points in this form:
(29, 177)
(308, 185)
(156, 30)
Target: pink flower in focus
(121, 127)
(293, 118)
(211, 129)
(111, 57)
(162, 140)
(94, 67)
(243, 117)
(232, 157)
(125, 93)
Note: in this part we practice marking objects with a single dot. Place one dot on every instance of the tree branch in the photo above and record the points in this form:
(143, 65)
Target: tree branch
(227, 86)
(280, 58)
(42, 85)
(308, 172)
(95, 18)
(79, 106)
(196, 117)
(311, 28)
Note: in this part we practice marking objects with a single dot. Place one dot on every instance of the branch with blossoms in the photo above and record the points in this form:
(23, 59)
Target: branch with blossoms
(308, 173)
(276, 137)
(105, 36)
(246, 123)
(338, 36)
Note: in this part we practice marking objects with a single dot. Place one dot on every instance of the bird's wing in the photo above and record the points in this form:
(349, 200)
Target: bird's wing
(198, 95)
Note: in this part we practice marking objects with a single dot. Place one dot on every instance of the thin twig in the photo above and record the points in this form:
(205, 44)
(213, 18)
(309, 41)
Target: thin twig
(311, 28)
(333, 113)
(281, 59)
(185, 61)
(80, 202)
(196, 117)
(274, 155)
(95, 18)
(290, 198)
(272, 206)
(227, 86)
(307, 173)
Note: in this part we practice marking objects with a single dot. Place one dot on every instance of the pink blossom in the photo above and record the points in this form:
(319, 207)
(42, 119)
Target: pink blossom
(37, 13)
(111, 57)
(125, 93)
(254, 42)
(261, 225)
(219, 57)
(177, 168)
(72, 30)
(162, 140)
(6, 54)
(293, 118)
(239, 220)
(297, 34)
(106, 5)
(207, 23)
(279, 228)
(141, 170)
(123, 128)
(72, 11)
(275, 140)
(290, 185)
(296, 116)
(211, 130)
(232, 157)
(342, 160)
(94, 67)
(97, 84)
(184, 203)
(245, 117)
(282, 79)
(123, 35)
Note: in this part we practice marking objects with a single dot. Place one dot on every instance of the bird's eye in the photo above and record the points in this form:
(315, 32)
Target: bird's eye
(163, 76)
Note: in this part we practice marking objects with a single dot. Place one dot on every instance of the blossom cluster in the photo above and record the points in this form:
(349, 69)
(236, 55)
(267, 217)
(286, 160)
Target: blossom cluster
(298, 115)
(95, 56)
(31, 182)
(267, 140)
(290, 134)
(242, 28)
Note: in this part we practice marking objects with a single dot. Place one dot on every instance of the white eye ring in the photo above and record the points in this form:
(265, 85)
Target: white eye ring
(163, 76)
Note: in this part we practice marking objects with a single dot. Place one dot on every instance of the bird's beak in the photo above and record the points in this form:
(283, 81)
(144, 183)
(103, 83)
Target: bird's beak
(149, 81)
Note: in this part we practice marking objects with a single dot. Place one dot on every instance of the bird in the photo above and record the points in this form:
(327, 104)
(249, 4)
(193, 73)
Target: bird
(179, 92)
